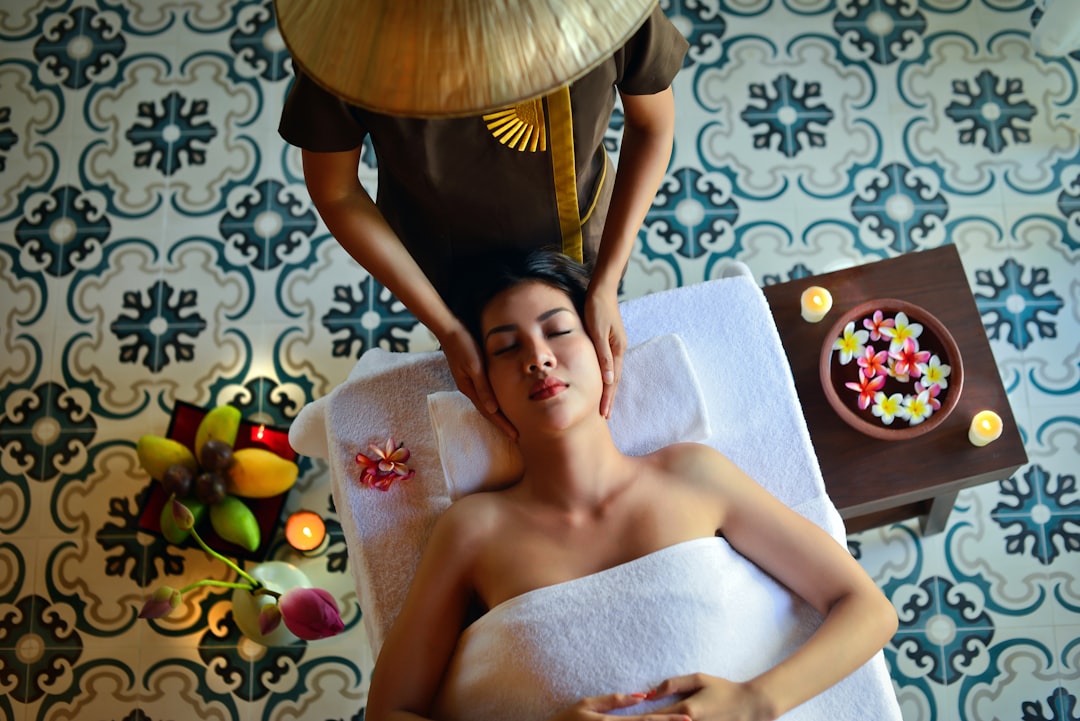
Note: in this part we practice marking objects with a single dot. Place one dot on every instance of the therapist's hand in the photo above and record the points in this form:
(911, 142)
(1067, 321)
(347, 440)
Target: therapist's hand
(467, 367)
(609, 337)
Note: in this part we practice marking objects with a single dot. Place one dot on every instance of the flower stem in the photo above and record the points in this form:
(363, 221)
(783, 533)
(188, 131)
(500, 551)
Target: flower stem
(211, 582)
(227, 562)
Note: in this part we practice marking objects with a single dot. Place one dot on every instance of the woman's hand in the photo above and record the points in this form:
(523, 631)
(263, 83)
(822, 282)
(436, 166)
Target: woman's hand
(708, 698)
(605, 327)
(467, 367)
(597, 707)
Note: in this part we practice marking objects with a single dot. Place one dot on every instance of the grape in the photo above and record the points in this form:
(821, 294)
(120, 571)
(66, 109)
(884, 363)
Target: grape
(210, 488)
(178, 480)
(216, 455)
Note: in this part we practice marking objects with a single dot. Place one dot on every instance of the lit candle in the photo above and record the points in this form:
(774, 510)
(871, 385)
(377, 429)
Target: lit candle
(816, 302)
(985, 428)
(306, 532)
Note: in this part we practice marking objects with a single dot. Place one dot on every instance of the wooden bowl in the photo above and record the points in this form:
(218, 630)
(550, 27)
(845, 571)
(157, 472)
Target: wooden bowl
(935, 338)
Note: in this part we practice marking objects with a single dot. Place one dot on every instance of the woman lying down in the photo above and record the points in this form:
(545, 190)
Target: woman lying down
(530, 602)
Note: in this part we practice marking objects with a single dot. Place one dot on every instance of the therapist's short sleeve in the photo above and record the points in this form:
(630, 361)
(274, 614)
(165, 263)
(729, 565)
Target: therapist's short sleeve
(649, 61)
(315, 120)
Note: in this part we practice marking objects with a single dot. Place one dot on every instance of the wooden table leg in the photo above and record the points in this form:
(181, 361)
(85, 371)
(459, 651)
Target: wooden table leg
(938, 516)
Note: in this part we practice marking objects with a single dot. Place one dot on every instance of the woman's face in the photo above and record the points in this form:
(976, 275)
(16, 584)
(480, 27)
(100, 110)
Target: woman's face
(541, 363)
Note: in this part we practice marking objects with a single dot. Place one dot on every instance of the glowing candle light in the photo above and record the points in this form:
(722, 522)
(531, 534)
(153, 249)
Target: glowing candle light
(985, 428)
(816, 302)
(306, 532)
(260, 432)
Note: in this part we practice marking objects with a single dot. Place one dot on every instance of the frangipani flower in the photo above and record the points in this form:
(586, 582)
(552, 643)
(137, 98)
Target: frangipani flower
(851, 343)
(935, 372)
(386, 466)
(933, 389)
(902, 330)
(867, 388)
(876, 323)
(873, 363)
(918, 408)
(908, 357)
(887, 407)
(310, 613)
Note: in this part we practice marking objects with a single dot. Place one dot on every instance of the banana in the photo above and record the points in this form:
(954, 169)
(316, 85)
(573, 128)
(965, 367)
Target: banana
(235, 523)
(259, 473)
(157, 453)
(222, 423)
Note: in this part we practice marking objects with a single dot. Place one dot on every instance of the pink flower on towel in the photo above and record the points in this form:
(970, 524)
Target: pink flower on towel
(385, 466)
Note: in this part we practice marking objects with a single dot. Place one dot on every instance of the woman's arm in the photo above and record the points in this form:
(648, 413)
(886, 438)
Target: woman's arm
(859, 620)
(360, 228)
(420, 644)
(649, 130)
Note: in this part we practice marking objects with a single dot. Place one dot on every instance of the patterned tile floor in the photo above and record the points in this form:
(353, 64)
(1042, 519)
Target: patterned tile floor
(157, 245)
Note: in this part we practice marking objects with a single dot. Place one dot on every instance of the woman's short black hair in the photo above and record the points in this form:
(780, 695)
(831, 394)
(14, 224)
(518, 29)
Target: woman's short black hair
(492, 274)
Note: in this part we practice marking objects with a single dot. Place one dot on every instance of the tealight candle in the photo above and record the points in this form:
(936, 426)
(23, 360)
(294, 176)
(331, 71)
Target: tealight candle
(985, 428)
(816, 302)
(306, 532)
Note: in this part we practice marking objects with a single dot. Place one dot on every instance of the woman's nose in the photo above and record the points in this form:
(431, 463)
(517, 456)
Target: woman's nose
(540, 356)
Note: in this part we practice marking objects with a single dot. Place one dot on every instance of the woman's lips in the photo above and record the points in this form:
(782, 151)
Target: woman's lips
(546, 388)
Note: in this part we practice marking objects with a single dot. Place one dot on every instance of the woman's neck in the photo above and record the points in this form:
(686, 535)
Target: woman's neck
(578, 470)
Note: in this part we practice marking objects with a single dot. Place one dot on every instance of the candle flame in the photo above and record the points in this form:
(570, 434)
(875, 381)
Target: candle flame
(986, 424)
(259, 433)
(307, 532)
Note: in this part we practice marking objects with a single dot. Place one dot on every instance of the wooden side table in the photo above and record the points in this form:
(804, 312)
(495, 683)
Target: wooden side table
(874, 482)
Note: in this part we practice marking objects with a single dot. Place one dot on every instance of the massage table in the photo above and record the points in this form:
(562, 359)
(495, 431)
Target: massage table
(704, 363)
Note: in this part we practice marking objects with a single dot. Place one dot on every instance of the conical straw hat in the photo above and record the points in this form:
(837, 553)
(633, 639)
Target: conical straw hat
(443, 58)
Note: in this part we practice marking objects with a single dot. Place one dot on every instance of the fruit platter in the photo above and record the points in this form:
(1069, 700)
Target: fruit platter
(231, 473)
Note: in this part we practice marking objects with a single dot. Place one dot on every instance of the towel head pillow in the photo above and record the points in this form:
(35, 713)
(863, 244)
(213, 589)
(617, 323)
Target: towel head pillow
(659, 403)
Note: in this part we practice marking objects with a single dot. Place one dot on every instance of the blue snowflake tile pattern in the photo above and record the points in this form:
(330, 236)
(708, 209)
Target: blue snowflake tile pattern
(258, 44)
(1015, 309)
(366, 319)
(694, 213)
(172, 133)
(157, 324)
(702, 24)
(44, 430)
(1042, 513)
(991, 111)
(787, 116)
(268, 224)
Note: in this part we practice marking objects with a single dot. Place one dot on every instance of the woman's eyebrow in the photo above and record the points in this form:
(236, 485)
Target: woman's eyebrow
(513, 326)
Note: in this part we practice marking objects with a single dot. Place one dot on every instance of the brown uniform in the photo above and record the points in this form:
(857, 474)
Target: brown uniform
(451, 189)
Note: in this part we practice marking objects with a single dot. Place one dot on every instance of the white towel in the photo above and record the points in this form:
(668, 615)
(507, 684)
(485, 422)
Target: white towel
(694, 607)
(659, 385)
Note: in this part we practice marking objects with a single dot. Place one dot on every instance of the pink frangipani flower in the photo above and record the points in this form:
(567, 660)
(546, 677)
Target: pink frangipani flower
(385, 465)
(908, 357)
(934, 391)
(867, 388)
(873, 363)
(876, 323)
(310, 613)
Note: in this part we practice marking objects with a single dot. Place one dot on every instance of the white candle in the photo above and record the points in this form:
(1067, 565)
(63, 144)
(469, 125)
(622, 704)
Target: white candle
(985, 428)
(816, 302)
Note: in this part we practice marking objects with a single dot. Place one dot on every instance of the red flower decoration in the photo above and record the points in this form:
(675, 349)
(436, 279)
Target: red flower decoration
(386, 466)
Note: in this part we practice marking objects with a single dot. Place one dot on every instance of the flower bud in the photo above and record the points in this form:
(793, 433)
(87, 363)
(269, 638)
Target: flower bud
(310, 613)
(182, 515)
(160, 603)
